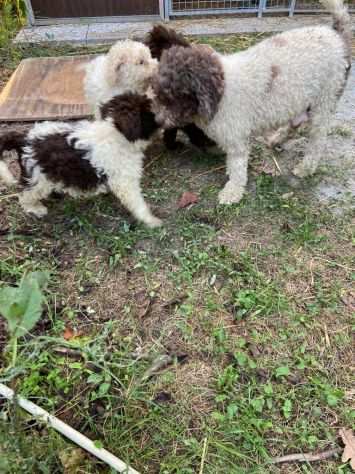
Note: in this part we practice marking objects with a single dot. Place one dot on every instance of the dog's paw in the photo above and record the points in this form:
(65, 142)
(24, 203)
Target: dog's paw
(230, 195)
(37, 211)
(154, 222)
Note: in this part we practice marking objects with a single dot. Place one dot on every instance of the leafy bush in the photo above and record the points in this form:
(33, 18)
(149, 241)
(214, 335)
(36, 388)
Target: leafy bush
(12, 16)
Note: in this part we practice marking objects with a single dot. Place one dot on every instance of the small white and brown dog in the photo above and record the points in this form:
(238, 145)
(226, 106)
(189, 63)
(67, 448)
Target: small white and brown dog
(287, 79)
(86, 158)
(127, 67)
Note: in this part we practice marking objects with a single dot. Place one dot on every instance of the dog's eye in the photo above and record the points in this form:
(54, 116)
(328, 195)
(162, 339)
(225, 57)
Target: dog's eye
(141, 62)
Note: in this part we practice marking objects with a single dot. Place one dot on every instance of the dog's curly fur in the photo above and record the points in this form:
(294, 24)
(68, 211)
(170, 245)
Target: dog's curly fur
(86, 158)
(127, 67)
(298, 73)
(190, 83)
(160, 38)
(131, 115)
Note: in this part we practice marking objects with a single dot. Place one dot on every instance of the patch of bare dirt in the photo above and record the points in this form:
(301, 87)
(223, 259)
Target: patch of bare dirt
(246, 235)
(192, 386)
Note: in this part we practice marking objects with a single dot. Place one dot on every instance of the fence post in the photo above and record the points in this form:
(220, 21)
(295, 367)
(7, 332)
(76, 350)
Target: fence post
(30, 15)
(262, 5)
(167, 9)
(292, 7)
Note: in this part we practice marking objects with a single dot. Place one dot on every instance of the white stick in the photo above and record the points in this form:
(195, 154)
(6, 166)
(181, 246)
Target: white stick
(67, 431)
(306, 457)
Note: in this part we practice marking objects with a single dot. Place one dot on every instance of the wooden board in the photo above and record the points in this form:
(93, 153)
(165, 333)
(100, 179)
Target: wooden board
(45, 89)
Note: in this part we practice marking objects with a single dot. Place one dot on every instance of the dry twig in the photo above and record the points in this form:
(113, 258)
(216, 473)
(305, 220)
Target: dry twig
(306, 457)
(219, 168)
(276, 164)
(203, 457)
(8, 196)
(161, 362)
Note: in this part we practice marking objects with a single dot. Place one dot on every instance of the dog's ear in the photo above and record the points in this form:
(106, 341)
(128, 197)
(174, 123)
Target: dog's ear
(129, 124)
(207, 104)
(161, 38)
(210, 82)
(138, 124)
(132, 116)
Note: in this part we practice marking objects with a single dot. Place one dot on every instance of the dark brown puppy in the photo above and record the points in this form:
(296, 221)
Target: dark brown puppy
(159, 40)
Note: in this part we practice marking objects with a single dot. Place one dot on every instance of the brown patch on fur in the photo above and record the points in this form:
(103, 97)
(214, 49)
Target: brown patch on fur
(12, 141)
(275, 72)
(62, 163)
(279, 41)
(131, 115)
(190, 82)
(161, 38)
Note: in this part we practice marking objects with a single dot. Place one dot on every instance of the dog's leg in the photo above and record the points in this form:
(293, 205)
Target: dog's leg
(197, 137)
(129, 193)
(237, 170)
(170, 140)
(30, 198)
(316, 146)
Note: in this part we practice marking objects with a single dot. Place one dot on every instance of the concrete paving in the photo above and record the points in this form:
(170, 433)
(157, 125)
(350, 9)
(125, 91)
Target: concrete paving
(101, 33)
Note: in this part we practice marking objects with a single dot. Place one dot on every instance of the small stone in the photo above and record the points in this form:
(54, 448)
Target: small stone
(287, 195)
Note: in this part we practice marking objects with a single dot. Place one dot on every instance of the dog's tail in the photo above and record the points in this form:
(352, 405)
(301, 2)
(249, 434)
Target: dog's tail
(161, 38)
(341, 22)
(10, 141)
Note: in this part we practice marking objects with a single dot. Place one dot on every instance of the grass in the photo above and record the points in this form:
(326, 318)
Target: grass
(254, 302)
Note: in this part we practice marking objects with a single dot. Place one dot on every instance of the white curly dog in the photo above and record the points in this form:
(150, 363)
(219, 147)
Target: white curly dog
(127, 67)
(285, 80)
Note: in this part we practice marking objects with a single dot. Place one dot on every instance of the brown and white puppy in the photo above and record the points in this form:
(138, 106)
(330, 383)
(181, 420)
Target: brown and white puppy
(86, 158)
(298, 73)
